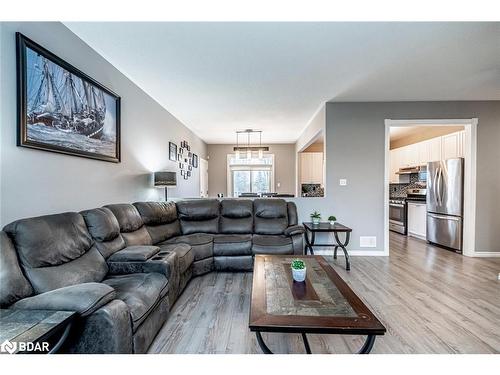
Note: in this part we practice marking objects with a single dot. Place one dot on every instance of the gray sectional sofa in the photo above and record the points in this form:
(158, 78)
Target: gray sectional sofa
(121, 267)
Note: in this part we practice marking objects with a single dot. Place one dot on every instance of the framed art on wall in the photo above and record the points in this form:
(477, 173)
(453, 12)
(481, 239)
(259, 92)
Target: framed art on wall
(61, 109)
(195, 161)
(172, 153)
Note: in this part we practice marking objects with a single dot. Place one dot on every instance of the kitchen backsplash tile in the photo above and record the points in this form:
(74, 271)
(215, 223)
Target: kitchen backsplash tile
(399, 190)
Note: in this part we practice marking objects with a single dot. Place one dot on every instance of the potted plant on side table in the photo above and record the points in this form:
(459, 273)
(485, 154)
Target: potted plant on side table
(332, 219)
(298, 270)
(315, 217)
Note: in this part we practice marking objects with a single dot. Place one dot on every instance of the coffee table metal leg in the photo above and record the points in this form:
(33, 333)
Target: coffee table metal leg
(262, 344)
(306, 343)
(343, 247)
(368, 345)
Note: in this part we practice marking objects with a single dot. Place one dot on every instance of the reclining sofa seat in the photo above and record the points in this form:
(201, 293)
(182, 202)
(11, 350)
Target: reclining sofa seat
(161, 223)
(62, 269)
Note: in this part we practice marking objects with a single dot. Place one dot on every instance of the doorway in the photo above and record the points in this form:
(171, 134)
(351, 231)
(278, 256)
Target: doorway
(203, 178)
(469, 150)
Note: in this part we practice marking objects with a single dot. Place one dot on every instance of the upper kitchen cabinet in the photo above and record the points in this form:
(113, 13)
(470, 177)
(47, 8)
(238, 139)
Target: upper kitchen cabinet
(311, 168)
(394, 156)
(423, 152)
(434, 146)
(452, 145)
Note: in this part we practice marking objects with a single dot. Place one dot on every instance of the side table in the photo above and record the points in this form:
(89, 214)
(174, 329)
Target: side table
(325, 227)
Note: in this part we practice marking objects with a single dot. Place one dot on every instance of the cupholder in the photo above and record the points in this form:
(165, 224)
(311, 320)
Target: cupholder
(157, 258)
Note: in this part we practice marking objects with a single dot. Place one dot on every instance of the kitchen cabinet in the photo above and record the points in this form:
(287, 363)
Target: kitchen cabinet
(417, 220)
(423, 152)
(434, 149)
(311, 168)
(394, 165)
(451, 146)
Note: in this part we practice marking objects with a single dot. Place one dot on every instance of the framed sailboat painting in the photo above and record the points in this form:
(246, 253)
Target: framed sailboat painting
(61, 109)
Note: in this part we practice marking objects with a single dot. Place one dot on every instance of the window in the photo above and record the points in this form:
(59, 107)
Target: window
(250, 175)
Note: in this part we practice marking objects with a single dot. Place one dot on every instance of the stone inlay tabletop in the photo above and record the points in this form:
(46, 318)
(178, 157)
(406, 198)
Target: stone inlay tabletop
(317, 296)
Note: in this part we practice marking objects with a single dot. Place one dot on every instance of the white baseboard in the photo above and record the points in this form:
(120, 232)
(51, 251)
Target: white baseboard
(363, 253)
(486, 254)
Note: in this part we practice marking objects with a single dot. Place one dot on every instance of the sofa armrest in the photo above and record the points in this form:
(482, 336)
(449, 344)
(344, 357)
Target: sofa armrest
(81, 298)
(134, 254)
(293, 230)
(160, 263)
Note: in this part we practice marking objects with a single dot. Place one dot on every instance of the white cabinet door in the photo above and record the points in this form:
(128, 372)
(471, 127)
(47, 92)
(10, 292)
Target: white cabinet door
(450, 146)
(417, 220)
(404, 157)
(317, 167)
(423, 152)
(434, 149)
(394, 165)
(413, 155)
(311, 168)
(305, 168)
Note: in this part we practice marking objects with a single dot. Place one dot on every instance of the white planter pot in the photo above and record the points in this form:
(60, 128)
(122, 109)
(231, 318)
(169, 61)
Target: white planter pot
(299, 275)
(332, 222)
(316, 221)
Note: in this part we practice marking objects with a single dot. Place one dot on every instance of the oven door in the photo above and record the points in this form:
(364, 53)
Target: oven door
(397, 213)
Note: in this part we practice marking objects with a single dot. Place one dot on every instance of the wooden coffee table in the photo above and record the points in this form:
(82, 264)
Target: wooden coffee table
(323, 304)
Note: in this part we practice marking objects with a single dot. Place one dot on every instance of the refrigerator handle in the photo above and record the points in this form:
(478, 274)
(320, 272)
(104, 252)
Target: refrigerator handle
(439, 181)
(453, 218)
(434, 183)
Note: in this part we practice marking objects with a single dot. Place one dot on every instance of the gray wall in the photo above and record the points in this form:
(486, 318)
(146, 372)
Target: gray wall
(355, 151)
(36, 182)
(284, 167)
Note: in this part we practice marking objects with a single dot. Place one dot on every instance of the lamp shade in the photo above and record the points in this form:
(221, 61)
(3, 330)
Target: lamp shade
(165, 179)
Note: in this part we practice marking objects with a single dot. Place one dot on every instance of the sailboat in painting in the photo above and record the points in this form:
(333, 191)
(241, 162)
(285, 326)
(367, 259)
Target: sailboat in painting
(65, 102)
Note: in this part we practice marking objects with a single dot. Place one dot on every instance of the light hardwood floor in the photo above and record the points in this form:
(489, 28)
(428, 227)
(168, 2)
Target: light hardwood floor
(429, 299)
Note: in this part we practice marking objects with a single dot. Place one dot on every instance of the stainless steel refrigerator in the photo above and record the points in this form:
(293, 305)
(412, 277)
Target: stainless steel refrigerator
(445, 197)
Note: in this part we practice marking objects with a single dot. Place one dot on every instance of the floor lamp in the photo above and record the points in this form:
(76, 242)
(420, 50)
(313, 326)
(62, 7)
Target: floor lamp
(166, 180)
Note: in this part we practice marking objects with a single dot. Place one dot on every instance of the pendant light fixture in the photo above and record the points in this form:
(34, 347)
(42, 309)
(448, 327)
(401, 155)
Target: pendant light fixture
(248, 148)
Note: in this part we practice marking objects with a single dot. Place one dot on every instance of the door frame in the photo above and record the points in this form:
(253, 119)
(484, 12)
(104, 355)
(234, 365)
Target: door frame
(470, 127)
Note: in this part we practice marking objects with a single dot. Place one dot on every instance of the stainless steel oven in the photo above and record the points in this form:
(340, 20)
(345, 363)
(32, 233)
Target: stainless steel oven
(397, 215)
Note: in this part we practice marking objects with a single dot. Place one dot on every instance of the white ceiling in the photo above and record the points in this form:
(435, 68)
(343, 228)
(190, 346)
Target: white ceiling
(220, 77)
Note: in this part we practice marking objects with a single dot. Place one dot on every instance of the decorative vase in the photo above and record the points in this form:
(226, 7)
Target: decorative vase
(315, 220)
(299, 275)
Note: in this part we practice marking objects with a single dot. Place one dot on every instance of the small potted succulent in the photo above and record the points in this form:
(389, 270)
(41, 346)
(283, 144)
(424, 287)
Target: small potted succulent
(298, 270)
(332, 219)
(315, 217)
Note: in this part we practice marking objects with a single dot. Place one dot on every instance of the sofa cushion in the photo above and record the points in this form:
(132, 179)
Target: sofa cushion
(14, 285)
(236, 216)
(160, 219)
(127, 216)
(271, 244)
(134, 254)
(271, 216)
(199, 216)
(101, 223)
(201, 243)
(82, 298)
(185, 255)
(56, 251)
(50, 240)
(232, 244)
(105, 230)
(141, 292)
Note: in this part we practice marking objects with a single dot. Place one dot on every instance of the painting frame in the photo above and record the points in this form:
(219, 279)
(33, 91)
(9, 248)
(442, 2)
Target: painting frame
(23, 43)
(195, 161)
(172, 151)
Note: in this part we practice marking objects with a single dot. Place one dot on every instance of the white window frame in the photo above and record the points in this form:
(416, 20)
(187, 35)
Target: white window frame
(246, 167)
